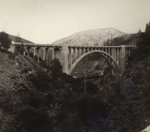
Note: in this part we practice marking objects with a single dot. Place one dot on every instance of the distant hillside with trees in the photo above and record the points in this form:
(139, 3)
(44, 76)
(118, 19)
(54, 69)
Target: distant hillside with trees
(95, 37)
(18, 39)
(5, 41)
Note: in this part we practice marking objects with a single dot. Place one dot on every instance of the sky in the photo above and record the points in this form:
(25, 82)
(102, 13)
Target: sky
(45, 21)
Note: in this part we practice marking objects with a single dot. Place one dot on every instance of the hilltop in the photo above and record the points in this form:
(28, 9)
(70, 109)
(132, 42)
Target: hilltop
(95, 37)
(13, 38)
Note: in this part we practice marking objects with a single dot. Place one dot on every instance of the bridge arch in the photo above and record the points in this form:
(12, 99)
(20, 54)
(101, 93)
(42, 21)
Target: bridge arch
(104, 54)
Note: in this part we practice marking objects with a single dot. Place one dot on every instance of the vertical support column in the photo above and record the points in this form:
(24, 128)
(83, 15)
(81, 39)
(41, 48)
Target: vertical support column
(34, 48)
(71, 56)
(46, 55)
(53, 53)
(83, 50)
(108, 50)
(87, 49)
(43, 53)
(103, 49)
(113, 53)
(122, 58)
(76, 53)
(65, 52)
(26, 51)
(38, 53)
(80, 52)
(118, 56)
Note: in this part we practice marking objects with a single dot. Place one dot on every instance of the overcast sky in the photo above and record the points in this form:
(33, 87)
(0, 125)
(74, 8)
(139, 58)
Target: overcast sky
(45, 21)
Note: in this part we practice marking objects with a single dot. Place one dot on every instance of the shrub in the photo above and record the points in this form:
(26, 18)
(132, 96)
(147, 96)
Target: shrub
(12, 56)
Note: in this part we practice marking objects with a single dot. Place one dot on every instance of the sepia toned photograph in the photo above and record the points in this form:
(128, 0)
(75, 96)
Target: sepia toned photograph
(74, 65)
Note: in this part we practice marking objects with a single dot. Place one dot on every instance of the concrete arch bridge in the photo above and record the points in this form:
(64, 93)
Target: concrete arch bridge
(69, 56)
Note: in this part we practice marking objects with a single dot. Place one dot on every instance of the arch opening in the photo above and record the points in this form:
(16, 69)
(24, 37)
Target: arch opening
(102, 58)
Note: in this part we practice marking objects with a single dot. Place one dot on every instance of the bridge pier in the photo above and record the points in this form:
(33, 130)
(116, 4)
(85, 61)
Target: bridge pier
(118, 56)
(80, 52)
(43, 53)
(83, 51)
(34, 49)
(122, 58)
(65, 52)
(114, 54)
(52, 53)
(76, 54)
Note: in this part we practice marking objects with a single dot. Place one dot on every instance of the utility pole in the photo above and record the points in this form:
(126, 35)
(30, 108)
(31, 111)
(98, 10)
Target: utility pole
(88, 77)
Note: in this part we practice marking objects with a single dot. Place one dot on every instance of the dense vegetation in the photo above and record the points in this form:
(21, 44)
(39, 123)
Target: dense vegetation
(5, 41)
(49, 100)
(121, 40)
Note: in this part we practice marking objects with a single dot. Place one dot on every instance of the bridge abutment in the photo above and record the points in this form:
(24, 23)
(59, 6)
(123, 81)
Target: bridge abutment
(12, 48)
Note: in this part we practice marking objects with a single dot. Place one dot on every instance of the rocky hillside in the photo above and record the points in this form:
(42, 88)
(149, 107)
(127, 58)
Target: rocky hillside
(31, 93)
(11, 66)
(91, 65)
(95, 37)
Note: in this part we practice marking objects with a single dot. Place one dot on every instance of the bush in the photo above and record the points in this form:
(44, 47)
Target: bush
(12, 56)
(33, 120)
(56, 67)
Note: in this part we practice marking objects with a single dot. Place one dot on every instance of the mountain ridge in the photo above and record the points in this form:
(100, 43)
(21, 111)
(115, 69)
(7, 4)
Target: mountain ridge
(90, 37)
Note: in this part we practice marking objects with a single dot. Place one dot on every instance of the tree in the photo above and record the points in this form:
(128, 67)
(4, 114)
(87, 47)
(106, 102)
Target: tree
(147, 29)
(56, 67)
(5, 41)
(139, 31)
